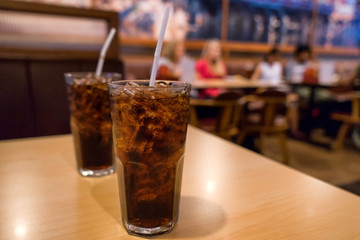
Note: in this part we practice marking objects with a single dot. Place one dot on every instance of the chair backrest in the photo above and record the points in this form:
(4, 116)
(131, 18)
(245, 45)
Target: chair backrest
(228, 115)
(272, 104)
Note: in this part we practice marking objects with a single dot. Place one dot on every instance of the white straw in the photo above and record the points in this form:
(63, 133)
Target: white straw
(103, 51)
(159, 46)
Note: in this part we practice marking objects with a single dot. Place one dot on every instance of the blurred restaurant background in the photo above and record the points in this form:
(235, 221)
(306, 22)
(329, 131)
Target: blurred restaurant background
(311, 123)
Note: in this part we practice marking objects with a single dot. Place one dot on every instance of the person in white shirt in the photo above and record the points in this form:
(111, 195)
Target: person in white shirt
(295, 68)
(270, 69)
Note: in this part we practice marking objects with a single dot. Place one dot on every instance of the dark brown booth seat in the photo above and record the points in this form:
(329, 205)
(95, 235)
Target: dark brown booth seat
(244, 68)
(33, 99)
(138, 68)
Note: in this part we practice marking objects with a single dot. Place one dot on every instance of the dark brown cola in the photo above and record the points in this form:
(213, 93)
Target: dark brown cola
(91, 125)
(149, 127)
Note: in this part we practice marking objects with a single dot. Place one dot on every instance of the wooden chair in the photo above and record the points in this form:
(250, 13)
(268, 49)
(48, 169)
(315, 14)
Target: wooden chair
(270, 117)
(225, 124)
(348, 120)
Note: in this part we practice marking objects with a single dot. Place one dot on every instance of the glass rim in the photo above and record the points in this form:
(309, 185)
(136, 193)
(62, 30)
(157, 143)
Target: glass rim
(176, 84)
(84, 74)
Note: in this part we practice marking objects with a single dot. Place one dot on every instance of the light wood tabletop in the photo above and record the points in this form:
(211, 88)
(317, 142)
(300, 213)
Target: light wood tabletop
(232, 82)
(227, 193)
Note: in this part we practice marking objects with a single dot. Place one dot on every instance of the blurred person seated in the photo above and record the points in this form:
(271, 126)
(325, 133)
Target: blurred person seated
(211, 66)
(302, 61)
(270, 69)
(340, 100)
(296, 71)
(302, 69)
(169, 63)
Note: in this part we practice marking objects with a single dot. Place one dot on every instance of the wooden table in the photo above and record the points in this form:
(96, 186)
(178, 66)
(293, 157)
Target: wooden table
(234, 82)
(228, 193)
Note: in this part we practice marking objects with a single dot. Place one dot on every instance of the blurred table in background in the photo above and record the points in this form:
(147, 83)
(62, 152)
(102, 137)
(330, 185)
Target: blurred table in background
(227, 193)
(234, 82)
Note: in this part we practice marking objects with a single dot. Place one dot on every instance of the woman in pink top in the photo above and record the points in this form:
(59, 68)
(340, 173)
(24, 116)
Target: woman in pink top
(210, 66)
